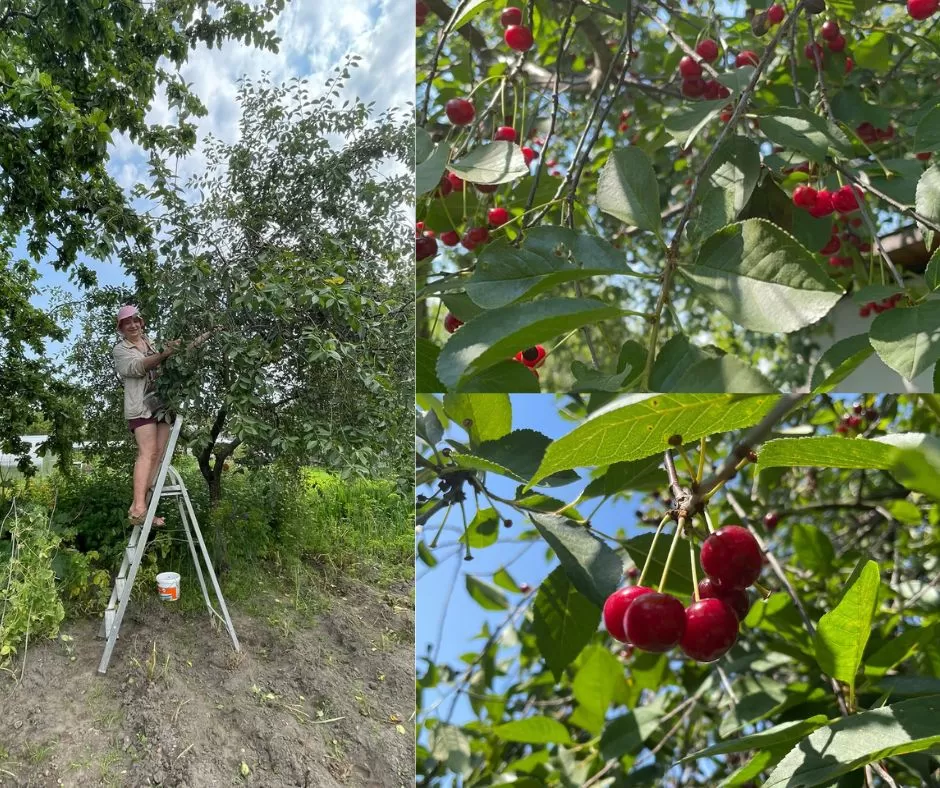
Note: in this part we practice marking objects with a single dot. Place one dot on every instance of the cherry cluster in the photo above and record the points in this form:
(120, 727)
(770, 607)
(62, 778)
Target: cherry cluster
(824, 202)
(858, 420)
(877, 307)
(693, 85)
(707, 628)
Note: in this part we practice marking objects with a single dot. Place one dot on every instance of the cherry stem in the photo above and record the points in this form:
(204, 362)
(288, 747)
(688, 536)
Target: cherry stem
(680, 526)
(439, 530)
(649, 555)
(701, 461)
(694, 569)
(708, 521)
(688, 463)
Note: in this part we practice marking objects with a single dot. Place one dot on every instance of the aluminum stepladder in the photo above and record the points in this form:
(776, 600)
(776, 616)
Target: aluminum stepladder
(134, 552)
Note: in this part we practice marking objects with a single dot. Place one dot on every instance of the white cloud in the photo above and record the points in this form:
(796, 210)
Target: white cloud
(315, 38)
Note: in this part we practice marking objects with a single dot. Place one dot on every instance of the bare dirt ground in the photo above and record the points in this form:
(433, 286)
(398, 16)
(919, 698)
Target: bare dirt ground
(324, 704)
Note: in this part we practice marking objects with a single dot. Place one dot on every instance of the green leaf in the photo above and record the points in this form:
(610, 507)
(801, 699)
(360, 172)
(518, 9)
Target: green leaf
(426, 556)
(501, 333)
(735, 170)
(927, 136)
(470, 10)
(634, 426)
(492, 163)
(913, 458)
(506, 376)
(897, 649)
(932, 274)
(533, 730)
(504, 580)
(644, 474)
(628, 190)
(450, 747)
(564, 621)
(682, 367)
(852, 742)
(873, 52)
(428, 172)
(685, 124)
(516, 455)
(590, 379)
(485, 595)
(762, 278)
(798, 130)
(778, 734)
(813, 548)
(928, 194)
(483, 530)
(426, 353)
(840, 361)
(549, 256)
(908, 339)
(593, 568)
(595, 686)
(486, 417)
(843, 632)
(625, 734)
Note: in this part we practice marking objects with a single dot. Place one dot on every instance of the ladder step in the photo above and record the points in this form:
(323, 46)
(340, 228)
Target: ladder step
(130, 554)
(120, 584)
(108, 621)
(171, 490)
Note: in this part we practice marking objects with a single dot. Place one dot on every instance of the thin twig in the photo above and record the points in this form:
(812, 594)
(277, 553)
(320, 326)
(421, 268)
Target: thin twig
(890, 200)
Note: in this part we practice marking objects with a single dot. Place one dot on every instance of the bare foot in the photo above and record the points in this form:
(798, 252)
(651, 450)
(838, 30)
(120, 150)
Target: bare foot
(138, 519)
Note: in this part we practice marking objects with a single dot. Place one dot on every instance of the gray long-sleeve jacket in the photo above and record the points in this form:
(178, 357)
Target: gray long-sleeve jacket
(129, 363)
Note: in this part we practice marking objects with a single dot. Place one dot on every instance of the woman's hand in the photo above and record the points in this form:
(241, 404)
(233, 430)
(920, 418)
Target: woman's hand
(170, 348)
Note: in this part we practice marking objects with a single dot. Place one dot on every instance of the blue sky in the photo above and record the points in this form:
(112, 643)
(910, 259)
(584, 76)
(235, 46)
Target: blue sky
(315, 37)
(464, 617)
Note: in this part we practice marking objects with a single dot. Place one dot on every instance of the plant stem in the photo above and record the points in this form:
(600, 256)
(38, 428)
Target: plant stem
(649, 555)
(672, 550)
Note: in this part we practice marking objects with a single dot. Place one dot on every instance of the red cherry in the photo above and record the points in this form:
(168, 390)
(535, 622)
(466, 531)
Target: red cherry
(511, 16)
(459, 111)
(497, 216)
(689, 67)
(823, 204)
(849, 65)
(531, 357)
(450, 238)
(693, 87)
(845, 200)
(924, 156)
(804, 196)
(445, 187)
(770, 520)
(468, 243)
(507, 133)
(871, 414)
(832, 246)
(775, 14)
(829, 29)
(921, 9)
(712, 89)
(478, 234)
(421, 13)
(419, 226)
(707, 49)
(864, 310)
(529, 155)
(837, 44)
(746, 58)
(711, 628)
(725, 116)
(736, 598)
(655, 622)
(885, 134)
(451, 323)
(633, 573)
(519, 37)
(724, 92)
(616, 606)
(486, 188)
(425, 247)
(731, 556)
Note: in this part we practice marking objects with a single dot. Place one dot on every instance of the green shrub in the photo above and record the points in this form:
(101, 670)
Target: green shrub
(30, 606)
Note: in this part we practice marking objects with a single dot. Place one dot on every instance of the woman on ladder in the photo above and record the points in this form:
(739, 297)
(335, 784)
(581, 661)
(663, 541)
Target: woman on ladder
(136, 361)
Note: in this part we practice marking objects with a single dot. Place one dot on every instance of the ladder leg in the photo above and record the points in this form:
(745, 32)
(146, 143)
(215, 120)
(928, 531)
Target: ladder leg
(192, 550)
(211, 571)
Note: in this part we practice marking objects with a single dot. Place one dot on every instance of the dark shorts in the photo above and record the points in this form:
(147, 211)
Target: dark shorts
(133, 424)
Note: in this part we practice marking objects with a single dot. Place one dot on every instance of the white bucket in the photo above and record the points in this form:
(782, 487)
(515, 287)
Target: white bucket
(168, 586)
